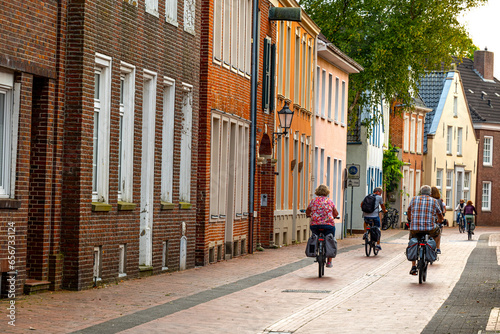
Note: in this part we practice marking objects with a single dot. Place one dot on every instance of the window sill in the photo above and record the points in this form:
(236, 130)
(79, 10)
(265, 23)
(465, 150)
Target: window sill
(485, 210)
(101, 207)
(122, 275)
(125, 206)
(167, 206)
(10, 203)
(184, 205)
(459, 155)
(484, 165)
(174, 23)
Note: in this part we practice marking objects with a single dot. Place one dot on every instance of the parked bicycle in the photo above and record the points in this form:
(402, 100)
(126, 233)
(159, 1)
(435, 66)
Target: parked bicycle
(370, 237)
(390, 219)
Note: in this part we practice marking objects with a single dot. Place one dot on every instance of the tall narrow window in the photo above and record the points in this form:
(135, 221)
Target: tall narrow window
(281, 56)
(488, 151)
(288, 63)
(226, 32)
(151, 7)
(9, 115)
(126, 142)
(328, 171)
(330, 87)
(234, 34)
(297, 80)
(171, 12)
(467, 186)
(339, 185)
(406, 134)
(306, 176)
(322, 167)
(102, 102)
(417, 181)
(239, 170)
(287, 172)
(419, 136)
(245, 173)
(439, 179)
(336, 99)
(308, 84)
(316, 165)
(318, 104)
(167, 152)
(459, 141)
(455, 106)
(301, 174)
(343, 108)
(303, 77)
(335, 180)
(279, 168)
(217, 29)
(223, 174)
(486, 198)
(323, 93)
(449, 139)
(215, 159)
(449, 186)
(412, 135)
(186, 143)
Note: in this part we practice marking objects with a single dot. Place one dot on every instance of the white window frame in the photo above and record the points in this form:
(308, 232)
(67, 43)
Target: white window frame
(455, 106)
(335, 180)
(406, 133)
(286, 166)
(449, 188)
(186, 143)
(323, 93)
(339, 185)
(279, 169)
(412, 134)
(171, 12)
(439, 179)
(9, 132)
(466, 190)
(322, 166)
(318, 77)
(152, 7)
(167, 151)
(449, 140)
(486, 192)
(488, 151)
(330, 93)
(336, 116)
(190, 16)
(102, 106)
(343, 110)
(459, 140)
(328, 174)
(419, 135)
(126, 149)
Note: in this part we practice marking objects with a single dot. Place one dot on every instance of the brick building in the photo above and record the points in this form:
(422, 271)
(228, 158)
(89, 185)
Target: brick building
(483, 97)
(224, 228)
(106, 159)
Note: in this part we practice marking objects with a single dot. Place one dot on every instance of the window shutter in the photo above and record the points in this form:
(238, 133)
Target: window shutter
(272, 78)
(265, 76)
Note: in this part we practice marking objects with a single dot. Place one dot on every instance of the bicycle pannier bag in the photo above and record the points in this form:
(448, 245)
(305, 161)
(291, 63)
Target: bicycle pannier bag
(311, 246)
(411, 250)
(430, 250)
(331, 246)
(368, 205)
(375, 233)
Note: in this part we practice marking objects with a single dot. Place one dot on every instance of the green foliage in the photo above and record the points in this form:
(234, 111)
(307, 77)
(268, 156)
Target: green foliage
(389, 37)
(391, 169)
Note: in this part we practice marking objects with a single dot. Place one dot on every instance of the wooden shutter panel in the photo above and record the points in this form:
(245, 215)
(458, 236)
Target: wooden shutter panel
(265, 76)
(272, 78)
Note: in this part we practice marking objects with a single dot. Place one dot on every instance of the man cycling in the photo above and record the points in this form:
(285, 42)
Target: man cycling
(460, 212)
(422, 213)
(373, 217)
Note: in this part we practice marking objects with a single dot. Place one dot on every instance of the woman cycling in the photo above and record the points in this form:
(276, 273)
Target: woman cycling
(460, 211)
(470, 212)
(322, 212)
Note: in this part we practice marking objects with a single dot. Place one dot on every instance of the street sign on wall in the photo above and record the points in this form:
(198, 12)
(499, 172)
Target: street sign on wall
(353, 182)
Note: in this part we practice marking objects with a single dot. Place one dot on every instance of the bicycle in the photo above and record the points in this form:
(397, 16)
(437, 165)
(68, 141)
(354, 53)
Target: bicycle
(422, 261)
(321, 252)
(469, 230)
(390, 219)
(461, 222)
(370, 243)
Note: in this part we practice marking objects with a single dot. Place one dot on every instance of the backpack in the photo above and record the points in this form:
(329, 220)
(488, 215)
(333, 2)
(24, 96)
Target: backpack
(368, 205)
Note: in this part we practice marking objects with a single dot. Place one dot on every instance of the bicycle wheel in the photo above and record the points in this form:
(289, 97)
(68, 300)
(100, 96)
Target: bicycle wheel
(460, 225)
(424, 274)
(421, 266)
(469, 233)
(374, 247)
(368, 247)
(320, 265)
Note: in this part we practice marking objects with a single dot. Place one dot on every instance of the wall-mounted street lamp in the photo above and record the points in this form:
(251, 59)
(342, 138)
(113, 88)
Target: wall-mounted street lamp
(285, 117)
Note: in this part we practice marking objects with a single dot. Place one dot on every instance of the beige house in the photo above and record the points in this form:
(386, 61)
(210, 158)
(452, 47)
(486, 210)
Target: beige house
(450, 144)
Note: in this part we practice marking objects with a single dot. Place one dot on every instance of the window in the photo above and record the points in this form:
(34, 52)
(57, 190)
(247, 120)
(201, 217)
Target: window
(343, 109)
(309, 73)
(328, 171)
(286, 171)
(297, 81)
(288, 63)
(229, 149)
(486, 198)
(439, 179)
(268, 76)
(281, 55)
(102, 102)
(279, 147)
(318, 71)
(455, 106)
(419, 136)
(126, 142)
(412, 135)
(167, 151)
(171, 12)
(301, 174)
(303, 78)
(9, 117)
(151, 7)
(322, 167)
(406, 134)
(488, 151)
(449, 190)
(330, 87)
(189, 16)
(186, 143)
(417, 181)
(336, 99)
(323, 93)
(467, 186)
(306, 175)
(335, 180)
(449, 139)
(339, 184)
(411, 189)
(122, 260)
(459, 141)
(315, 167)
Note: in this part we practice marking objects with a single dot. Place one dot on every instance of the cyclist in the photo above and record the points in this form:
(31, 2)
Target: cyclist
(470, 212)
(373, 217)
(322, 211)
(437, 195)
(421, 213)
(460, 211)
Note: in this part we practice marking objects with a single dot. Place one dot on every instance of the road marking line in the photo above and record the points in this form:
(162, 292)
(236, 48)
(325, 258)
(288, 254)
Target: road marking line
(299, 319)
(493, 323)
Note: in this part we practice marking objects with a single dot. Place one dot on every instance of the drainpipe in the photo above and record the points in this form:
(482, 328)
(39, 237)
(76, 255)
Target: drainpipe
(313, 130)
(253, 119)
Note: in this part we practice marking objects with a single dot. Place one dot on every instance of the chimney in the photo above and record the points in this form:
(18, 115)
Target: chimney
(483, 63)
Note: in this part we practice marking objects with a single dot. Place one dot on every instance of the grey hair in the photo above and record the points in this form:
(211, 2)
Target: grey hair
(377, 189)
(425, 190)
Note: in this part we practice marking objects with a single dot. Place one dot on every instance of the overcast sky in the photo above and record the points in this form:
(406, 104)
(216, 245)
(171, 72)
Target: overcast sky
(481, 22)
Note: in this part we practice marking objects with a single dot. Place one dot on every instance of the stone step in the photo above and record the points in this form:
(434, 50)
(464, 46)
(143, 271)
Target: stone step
(33, 286)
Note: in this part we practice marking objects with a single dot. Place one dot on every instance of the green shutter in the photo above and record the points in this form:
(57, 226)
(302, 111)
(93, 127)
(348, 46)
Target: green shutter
(272, 78)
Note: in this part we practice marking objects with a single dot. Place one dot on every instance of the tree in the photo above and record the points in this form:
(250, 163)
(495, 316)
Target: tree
(389, 37)
(391, 169)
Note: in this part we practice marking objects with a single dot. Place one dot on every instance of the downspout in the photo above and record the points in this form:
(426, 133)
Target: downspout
(313, 130)
(253, 120)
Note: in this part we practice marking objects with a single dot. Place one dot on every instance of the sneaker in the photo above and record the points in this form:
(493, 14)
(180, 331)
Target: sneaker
(413, 271)
(329, 265)
(438, 251)
(378, 247)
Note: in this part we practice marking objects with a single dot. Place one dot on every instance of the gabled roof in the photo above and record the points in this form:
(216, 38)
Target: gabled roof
(431, 91)
(478, 91)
